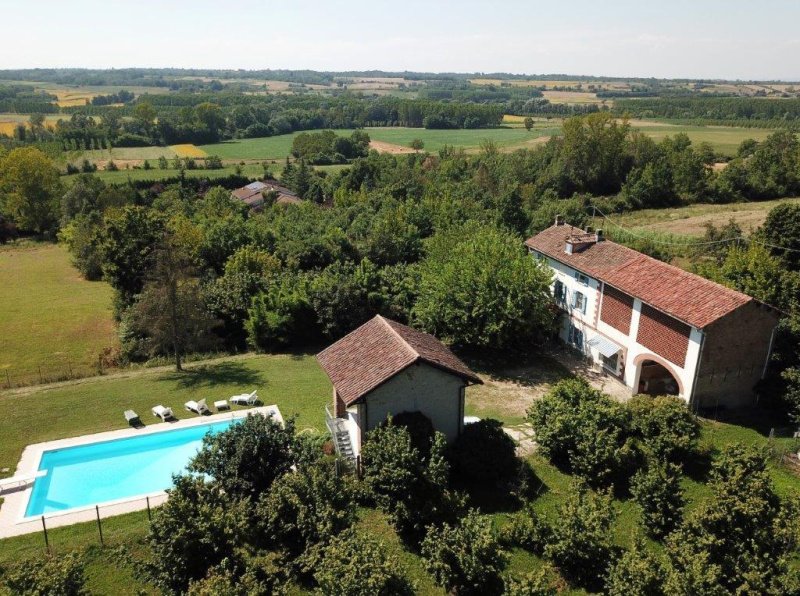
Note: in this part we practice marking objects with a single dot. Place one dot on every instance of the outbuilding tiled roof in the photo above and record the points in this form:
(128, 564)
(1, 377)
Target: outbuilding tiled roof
(251, 194)
(377, 351)
(678, 293)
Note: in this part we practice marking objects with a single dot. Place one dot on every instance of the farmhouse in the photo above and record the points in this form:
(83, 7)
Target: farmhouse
(253, 194)
(384, 368)
(654, 327)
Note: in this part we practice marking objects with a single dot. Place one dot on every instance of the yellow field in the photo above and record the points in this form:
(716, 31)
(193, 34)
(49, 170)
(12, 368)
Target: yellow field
(188, 150)
(572, 97)
(7, 128)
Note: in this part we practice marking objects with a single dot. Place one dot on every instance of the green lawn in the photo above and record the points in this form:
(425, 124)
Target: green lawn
(32, 415)
(51, 317)
(724, 139)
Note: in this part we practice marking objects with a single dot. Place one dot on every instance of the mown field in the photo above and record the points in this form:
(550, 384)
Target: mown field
(51, 317)
(691, 220)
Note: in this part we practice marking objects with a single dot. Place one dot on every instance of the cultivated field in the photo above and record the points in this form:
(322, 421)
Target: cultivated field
(188, 150)
(51, 317)
(690, 221)
(725, 139)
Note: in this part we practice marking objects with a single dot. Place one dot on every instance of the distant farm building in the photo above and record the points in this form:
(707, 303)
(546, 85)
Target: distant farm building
(384, 368)
(655, 328)
(253, 194)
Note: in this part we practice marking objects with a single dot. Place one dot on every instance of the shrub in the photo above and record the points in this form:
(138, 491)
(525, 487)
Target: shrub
(528, 531)
(583, 430)
(411, 489)
(536, 583)
(580, 545)
(638, 571)
(249, 456)
(657, 491)
(258, 579)
(465, 558)
(420, 430)
(484, 453)
(196, 529)
(665, 425)
(304, 511)
(50, 576)
(356, 565)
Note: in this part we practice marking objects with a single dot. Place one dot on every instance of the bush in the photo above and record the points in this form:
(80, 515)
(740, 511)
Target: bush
(581, 545)
(249, 456)
(50, 576)
(665, 425)
(356, 565)
(420, 430)
(657, 491)
(258, 579)
(583, 430)
(528, 531)
(465, 558)
(638, 571)
(484, 453)
(303, 512)
(537, 583)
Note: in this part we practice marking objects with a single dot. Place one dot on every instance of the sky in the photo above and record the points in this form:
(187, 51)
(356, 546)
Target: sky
(732, 39)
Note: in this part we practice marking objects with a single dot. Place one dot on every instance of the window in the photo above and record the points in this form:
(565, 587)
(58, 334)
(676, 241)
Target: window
(559, 291)
(576, 337)
(581, 278)
(610, 363)
(579, 302)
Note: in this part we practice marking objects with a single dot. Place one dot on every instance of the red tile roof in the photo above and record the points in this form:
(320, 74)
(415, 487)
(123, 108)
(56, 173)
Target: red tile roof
(678, 293)
(378, 350)
(251, 194)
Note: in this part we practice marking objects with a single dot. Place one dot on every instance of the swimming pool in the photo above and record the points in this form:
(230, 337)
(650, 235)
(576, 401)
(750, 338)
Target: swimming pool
(106, 471)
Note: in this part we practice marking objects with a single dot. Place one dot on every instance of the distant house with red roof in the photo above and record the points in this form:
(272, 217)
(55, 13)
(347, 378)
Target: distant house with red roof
(654, 327)
(385, 368)
(253, 194)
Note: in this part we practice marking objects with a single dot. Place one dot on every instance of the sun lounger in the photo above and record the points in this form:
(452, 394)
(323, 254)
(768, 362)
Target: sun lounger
(132, 417)
(222, 405)
(198, 407)
(17, 481)
(246, 399)
(162, 412)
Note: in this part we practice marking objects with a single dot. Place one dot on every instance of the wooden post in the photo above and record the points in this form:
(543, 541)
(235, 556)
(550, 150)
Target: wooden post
(69, 367)
(8, 379)
(149, 516)
(46, 541)
(40, 373)
(99, 525)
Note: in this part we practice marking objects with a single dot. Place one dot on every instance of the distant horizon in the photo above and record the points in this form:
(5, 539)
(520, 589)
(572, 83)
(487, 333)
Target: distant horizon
(711, 40)
(542, 75)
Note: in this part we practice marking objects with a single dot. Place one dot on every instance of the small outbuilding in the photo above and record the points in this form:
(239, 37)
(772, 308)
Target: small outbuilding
(253, 195)
(385, 368)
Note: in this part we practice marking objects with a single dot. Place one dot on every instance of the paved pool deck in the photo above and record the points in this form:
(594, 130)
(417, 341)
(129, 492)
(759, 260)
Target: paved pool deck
(12, 512)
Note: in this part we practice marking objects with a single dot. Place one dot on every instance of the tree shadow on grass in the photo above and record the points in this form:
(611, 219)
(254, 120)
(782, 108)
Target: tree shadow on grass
(761, 420)
(527, 370)
(225, 373)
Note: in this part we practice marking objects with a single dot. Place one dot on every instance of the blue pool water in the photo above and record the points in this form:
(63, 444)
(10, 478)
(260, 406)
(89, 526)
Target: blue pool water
(110, 470)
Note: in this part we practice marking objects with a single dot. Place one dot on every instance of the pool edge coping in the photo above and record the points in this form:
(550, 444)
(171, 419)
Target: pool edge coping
(13, 521)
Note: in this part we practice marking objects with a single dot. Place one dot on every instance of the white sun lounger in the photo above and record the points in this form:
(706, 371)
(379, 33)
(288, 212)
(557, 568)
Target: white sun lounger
(198, 407)
(163, 412)
(246, 399)
(131, 416)
(17, 481)
(222, 405)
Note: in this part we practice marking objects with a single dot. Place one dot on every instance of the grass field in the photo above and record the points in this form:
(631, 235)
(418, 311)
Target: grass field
(724, 139)
(51, 316)
(690, 220)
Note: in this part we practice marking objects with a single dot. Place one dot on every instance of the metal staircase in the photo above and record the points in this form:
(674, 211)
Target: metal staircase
(341, 436)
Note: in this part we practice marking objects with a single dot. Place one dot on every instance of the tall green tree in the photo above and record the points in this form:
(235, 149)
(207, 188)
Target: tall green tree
(30, 189)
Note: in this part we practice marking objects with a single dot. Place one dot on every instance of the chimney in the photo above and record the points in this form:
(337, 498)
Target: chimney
(599, 235)
(559, 220)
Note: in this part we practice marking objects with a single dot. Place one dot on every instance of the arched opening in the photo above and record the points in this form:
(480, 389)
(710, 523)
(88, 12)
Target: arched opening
(656, 379)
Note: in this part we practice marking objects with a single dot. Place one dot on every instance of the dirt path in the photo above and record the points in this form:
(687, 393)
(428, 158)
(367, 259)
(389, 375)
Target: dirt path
(383, 147)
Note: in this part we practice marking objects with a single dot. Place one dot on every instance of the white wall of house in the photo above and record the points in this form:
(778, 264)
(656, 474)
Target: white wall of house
(419, 388)
(589, 324)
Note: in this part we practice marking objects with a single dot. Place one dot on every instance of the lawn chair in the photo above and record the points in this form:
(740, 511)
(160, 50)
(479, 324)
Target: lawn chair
(198, 407)
(222, 405)
(245, 399)
(163, 412)
(132, 417)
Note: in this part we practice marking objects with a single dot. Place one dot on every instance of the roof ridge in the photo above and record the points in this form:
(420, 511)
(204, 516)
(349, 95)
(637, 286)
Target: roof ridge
(407, 345)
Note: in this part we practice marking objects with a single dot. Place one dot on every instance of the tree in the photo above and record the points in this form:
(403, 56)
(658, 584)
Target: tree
(30, 189)
(417, 144)
(582, 430)
(465, 558)
(197, 528)
(247, 458)
(304, 511)
(580, 544)
(357, 565)
(782, 229)
(480, 288)
(638, 571)
(485, 454)
(667, 427)
(170, 310)
(46, 576)
(741, 539)
(528, 123)
(657, 490)
(536, 583)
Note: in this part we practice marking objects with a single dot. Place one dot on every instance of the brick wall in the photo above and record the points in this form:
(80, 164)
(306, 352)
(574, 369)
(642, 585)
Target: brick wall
(665, 336)
(617, 309)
